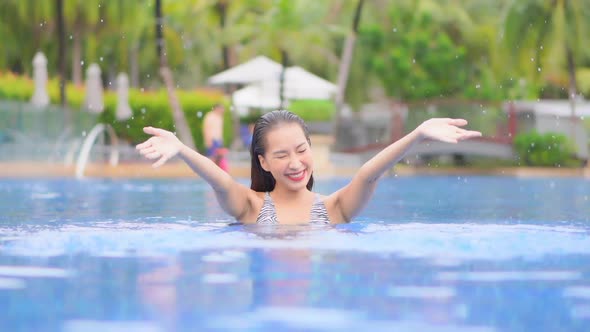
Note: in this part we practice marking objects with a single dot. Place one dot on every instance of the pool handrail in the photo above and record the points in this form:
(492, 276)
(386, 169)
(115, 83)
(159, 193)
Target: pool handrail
(89, 143)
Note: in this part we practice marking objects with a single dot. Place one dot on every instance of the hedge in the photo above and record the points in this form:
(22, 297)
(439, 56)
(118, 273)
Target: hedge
(150, 108)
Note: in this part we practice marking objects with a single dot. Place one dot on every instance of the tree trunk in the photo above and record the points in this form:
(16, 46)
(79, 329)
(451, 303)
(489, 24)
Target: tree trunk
(77, 58)
(182, 127)
(134, 66)
(284, 63)
(345, 64)
(221, 8)
(572, 92)
(61, 50)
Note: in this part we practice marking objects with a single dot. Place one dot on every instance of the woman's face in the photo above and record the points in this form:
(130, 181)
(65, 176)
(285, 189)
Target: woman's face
(288, 156)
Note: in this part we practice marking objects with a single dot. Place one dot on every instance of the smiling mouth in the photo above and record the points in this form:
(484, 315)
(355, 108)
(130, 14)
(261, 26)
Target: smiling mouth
(297, 176)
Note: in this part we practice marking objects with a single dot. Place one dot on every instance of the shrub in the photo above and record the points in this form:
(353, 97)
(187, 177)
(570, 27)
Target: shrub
(550, 149)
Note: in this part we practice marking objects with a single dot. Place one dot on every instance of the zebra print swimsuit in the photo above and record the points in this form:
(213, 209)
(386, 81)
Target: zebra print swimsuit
(268, 214)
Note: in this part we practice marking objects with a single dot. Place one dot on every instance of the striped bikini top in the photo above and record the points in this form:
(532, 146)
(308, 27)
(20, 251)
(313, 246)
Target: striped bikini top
(268, 213)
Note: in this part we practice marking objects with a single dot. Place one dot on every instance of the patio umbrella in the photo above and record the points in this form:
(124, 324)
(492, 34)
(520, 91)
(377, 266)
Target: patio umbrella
(254, 70)
(299, 84)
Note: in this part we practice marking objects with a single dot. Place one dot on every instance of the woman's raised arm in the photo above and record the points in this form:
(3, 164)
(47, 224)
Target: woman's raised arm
(163, 145)
(353, 197)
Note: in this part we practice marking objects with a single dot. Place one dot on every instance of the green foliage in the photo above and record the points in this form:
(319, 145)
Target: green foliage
(424, 56)
(550, 149)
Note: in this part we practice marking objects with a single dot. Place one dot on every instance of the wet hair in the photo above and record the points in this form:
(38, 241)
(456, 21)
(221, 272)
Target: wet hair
(263, 181)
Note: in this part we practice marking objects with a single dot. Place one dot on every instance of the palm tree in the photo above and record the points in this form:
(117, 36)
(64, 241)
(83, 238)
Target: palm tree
(553, 33)
(181, 125)
(26, 27)
(83, 19)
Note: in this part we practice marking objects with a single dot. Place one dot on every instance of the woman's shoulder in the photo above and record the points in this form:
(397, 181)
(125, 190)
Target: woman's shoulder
(256, 200)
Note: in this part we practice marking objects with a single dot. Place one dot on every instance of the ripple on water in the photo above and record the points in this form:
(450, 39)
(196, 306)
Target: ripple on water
(447, 244)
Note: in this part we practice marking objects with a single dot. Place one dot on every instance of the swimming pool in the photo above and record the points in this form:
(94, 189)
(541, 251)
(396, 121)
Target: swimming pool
(429, 253)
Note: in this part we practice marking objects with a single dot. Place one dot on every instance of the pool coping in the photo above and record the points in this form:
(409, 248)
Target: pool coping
(180, 170)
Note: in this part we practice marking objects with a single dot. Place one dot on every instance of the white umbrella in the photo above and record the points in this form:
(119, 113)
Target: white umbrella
(256, 95)
(94, 91)
(123, 110)
(40, 97)
(254, 70)
(299, 84)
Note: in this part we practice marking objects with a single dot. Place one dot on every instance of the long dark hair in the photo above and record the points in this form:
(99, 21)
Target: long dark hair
(263, 181)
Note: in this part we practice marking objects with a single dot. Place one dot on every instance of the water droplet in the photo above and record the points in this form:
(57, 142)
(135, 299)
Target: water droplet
(101, 58)
(394, 29)
(71, 36)
(82, 63)
(539, 69)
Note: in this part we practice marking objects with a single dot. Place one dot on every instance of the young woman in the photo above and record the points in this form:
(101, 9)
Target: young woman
(282, 170)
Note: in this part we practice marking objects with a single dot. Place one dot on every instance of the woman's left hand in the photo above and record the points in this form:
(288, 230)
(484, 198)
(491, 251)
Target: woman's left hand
(446, 130)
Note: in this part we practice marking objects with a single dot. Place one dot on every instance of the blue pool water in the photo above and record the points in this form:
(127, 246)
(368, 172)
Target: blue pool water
(427, 254)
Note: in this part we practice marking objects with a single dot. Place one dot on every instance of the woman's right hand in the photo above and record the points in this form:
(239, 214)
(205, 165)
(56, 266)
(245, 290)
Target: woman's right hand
(163, 145)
